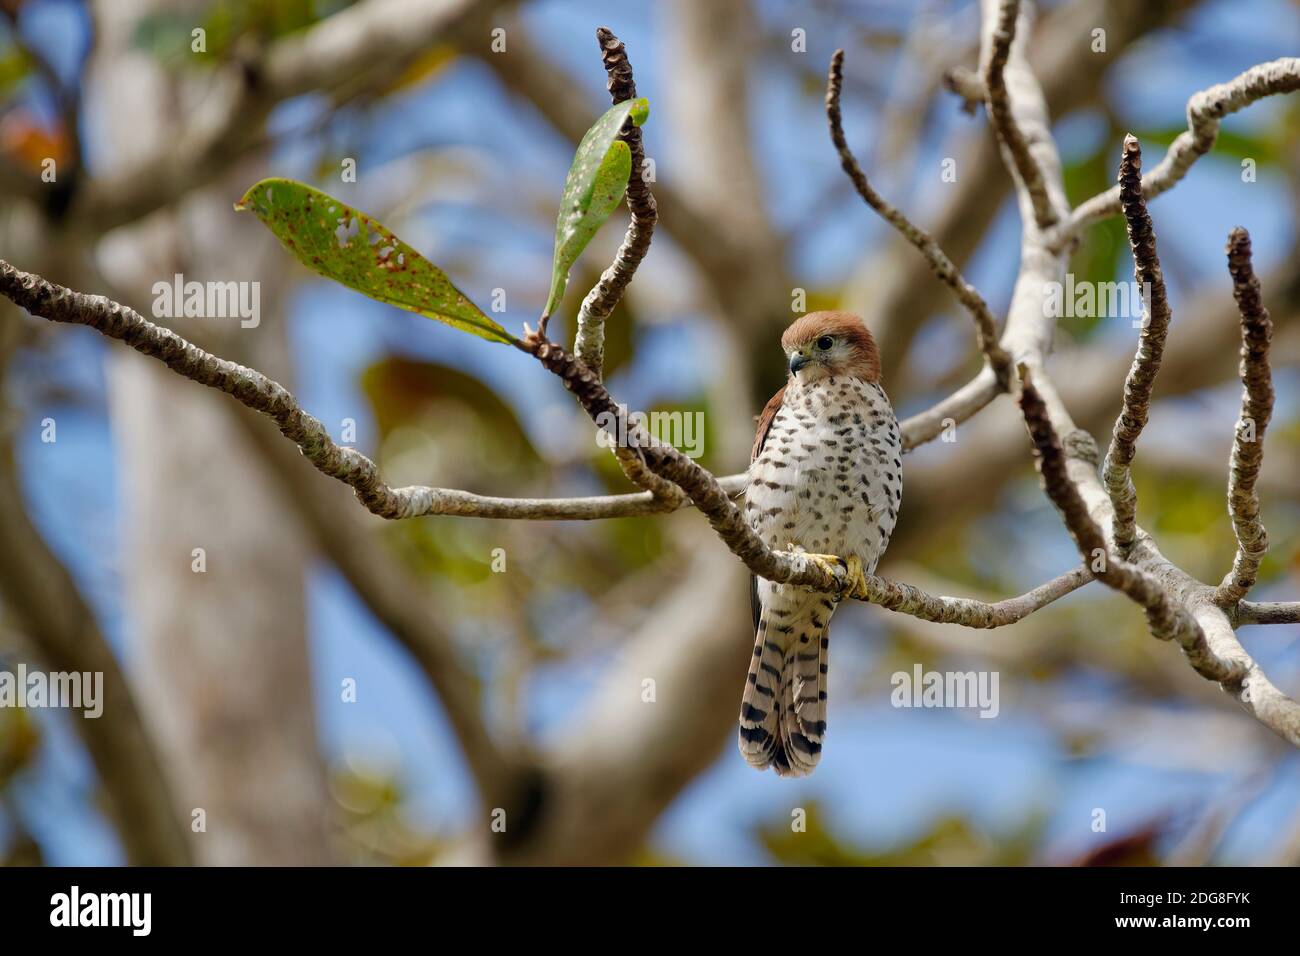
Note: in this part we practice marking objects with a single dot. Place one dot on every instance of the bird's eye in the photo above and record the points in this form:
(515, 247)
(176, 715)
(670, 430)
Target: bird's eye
(825, 342)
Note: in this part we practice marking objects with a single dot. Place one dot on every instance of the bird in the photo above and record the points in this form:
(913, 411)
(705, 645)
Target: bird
(825, 479)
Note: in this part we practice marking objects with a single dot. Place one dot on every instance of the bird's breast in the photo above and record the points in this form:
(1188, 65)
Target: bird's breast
(829, 475)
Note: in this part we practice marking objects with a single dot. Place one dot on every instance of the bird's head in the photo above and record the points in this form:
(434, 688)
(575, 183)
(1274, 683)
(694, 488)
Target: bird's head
(821, 344)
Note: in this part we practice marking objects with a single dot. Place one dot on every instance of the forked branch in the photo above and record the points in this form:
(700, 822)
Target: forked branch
(1169, 620)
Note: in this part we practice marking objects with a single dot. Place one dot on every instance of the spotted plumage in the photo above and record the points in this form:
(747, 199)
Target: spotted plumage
(825, 477)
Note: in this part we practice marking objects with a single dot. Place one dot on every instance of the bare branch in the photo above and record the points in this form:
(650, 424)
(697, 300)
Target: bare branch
(1203, 629)
(1205, 111)
(1169, 620)
(958, 407)
(1256, 410)
(1151, 346)
(906, 599)
(1067, 69)
(943, 267)
(1267, 612)
(254, 390)
(1003, 119)
(589, 343)
(713, 496)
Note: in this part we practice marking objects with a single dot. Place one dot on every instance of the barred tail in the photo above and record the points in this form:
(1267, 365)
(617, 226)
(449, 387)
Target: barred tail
(760, 707)
(783, 712)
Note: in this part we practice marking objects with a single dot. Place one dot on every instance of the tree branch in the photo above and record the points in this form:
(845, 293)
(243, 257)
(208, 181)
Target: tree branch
(968, 612)
(897, 299)
(589, 344)
(589, 340)
(1072, 479)
(1256, 410)
(254, 390)
(711, 495)
(1205, 111)
(985, 325)
(1267, 612)
(1003, 118)
(1151, 346)
(1168, 619)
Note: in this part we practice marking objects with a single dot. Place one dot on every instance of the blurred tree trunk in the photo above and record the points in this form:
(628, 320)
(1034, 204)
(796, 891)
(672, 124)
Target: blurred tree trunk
(221, 656)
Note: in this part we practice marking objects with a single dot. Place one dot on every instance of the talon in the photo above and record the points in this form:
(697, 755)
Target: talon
(855, 583)
(856, 579)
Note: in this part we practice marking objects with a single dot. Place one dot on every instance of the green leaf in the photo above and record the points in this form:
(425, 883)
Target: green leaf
(349, 247)
(595, 184)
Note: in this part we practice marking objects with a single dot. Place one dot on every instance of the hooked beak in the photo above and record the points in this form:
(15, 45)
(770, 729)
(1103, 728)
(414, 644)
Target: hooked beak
(797, 361)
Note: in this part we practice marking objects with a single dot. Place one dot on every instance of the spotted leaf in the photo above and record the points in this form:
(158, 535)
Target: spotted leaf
(351, 248)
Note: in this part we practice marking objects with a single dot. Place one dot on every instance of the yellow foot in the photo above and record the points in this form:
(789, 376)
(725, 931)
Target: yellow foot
(855, 580)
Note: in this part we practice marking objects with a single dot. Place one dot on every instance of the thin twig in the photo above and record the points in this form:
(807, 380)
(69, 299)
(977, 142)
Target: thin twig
(1151, 346)
(1003, 120)
(912, 601)
(1256, 410)
(589, 343)
(943, 267)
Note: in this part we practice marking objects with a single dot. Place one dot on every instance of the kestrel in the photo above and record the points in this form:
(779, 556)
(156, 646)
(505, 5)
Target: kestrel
(825, 477)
